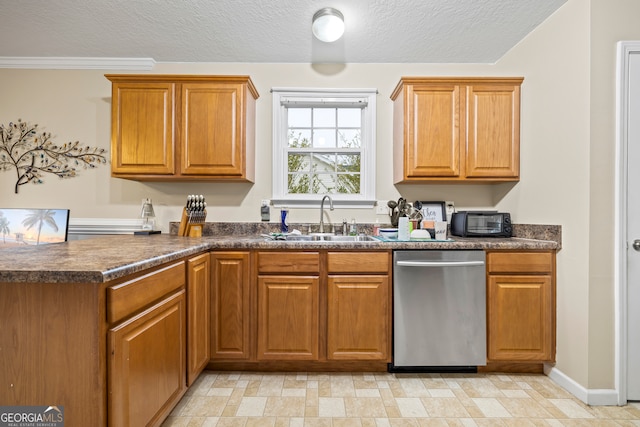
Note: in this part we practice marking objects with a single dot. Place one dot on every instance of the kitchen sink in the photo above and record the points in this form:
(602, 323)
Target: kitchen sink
(328, 238)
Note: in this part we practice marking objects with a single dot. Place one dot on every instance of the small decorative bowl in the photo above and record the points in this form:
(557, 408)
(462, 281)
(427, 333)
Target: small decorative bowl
(389, 233)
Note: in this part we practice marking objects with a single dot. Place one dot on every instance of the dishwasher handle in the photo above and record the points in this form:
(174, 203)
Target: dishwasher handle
(439, 263)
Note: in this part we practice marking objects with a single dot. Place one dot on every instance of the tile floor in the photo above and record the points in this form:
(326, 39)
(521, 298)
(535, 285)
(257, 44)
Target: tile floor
(232, 399)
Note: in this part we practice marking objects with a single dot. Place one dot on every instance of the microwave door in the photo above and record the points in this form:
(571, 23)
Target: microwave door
(485, 224)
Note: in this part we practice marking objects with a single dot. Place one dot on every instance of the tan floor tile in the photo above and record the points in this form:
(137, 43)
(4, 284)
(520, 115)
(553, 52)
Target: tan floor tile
(525, 408)
(571, 408)
(224, 383)
(311, 411)
(177, 421)
(230, 411)
(462, 396)
(294, 392)
(331, 407)
(324, 388)
(237, 399)
(614, 412)
(209, 422)
(251, 407)
(480, 387)
(393, 411)
(282, 422)
(364, 407)
(294, 382)
(441, 392)
(433, 422)
(435, 382)
(491, 407)
(231, 422)
(414, 387)
(311, 397)
(236, 396)
(342, 386)
(204, 406)
(260, 422)
(361, 383)
(403, 422)
(216, 391)
(368, 422)
(484, 422)
(387, 396)
(346, 422)
(202, 385)
(397, 389)
(411, 407)
(285, 407)
(367, 392)
(317, 422)
(444, 407)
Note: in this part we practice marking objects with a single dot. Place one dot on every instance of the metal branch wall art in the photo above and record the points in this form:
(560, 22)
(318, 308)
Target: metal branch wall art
(33, 154)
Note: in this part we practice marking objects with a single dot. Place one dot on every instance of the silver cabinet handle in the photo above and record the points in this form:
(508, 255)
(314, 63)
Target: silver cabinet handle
(636, 245)
(442, 263)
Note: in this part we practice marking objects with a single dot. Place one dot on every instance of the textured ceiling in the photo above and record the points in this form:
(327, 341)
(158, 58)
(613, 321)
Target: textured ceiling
(273, 31)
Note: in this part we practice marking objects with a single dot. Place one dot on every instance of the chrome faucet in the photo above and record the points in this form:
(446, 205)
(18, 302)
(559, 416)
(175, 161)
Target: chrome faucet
(322, 211)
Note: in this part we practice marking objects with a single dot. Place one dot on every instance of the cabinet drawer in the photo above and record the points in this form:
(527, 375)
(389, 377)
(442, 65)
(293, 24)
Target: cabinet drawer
(520, 262)
(288, 262)
(129, 297)
(358, 262)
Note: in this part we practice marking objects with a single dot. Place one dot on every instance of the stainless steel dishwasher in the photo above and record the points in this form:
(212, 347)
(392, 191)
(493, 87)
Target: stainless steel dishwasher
(439, 311)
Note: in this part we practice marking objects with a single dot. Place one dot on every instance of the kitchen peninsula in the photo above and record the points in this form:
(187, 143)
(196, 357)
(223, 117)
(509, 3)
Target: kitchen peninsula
(116, 328)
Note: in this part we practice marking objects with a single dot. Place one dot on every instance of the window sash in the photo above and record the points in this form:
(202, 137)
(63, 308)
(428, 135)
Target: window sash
(319, 98)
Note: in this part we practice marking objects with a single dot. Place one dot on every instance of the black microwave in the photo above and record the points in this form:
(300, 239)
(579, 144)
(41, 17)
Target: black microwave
(481, 224)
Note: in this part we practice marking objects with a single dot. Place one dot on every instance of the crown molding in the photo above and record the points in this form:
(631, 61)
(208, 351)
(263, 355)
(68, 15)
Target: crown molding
(77, 63)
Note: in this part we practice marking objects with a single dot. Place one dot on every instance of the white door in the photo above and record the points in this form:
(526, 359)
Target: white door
(633, 228)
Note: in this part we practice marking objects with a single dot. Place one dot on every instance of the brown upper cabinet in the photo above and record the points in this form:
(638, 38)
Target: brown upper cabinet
(456, 129)
(183, 127)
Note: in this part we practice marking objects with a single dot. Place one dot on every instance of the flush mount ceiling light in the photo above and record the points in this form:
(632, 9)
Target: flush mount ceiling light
(328, 24)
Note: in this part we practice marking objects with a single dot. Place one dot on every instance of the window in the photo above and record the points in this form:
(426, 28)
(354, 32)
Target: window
(324, 143)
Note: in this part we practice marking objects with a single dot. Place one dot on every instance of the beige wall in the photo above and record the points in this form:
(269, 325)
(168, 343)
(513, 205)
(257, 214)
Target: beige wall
(611, 21)
(566, 153)
(555, 155)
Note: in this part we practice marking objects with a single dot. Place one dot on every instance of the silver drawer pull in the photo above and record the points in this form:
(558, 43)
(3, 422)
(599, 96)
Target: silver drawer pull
(439, 263)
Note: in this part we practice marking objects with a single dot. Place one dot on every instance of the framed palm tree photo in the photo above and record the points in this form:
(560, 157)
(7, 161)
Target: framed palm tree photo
(19, 227)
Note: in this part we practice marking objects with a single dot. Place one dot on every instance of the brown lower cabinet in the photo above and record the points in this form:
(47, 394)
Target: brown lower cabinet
(230, 301)
(146, 349)
(198, 312)
(146, 364)
(322, 308)
(521, 306)
(358, 306)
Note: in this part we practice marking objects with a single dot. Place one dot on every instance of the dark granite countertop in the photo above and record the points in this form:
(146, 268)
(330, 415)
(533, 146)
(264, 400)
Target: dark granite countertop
(103, 259)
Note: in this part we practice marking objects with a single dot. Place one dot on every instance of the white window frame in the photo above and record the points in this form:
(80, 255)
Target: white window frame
(282, 98)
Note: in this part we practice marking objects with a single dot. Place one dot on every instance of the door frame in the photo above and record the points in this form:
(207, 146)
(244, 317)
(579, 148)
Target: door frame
(624, 51)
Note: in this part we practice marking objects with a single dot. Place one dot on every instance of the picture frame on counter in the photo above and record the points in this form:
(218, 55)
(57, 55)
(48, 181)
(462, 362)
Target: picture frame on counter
(433, 211)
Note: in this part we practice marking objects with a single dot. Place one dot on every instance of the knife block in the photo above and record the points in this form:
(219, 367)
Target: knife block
(189, 227)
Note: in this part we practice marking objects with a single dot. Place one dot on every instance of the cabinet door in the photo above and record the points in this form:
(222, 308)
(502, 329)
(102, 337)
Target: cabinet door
(493, 131)
(358, 318)
(142, 128)
(198, 316)
(288, 317)
(432, 123)
(212, 131)
(230, 317)
(147, 364)
(520, 326)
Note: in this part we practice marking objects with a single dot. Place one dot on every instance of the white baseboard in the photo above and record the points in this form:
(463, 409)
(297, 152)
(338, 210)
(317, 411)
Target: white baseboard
(594, 397)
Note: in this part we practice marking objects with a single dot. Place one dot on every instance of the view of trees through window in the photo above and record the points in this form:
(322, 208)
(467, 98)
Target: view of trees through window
(324, 150)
